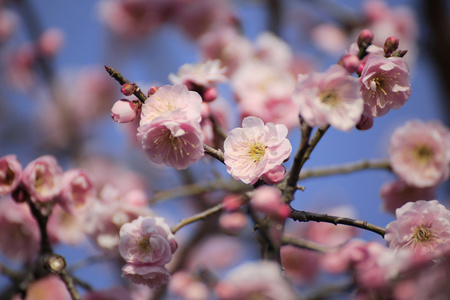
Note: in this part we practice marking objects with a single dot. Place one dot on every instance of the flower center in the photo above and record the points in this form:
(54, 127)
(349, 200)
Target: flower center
(7, 177)
(144, 244)
(329, 97)
(423, 153)
(256, 151)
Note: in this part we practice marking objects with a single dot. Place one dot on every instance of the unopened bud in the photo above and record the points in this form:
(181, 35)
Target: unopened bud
(128, 89)
(365, 123)
(365, 38)
(350, 62)
(210, 94)
(275, 175)
(152, 91)
(390, 45)
(125, 111)
(360, 68)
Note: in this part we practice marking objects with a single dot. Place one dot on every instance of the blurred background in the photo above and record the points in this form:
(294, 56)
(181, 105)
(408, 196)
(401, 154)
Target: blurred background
(55, 96)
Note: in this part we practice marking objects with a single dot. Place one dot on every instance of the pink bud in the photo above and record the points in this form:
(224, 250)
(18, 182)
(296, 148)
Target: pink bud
(152, 90)
(390, 45)
(232, 202)
(350, 62)
(210, 94)
(275, 175)
(233, 222)
(127, 89)
(360, 68)
(10, 174)
(283, 211)
(50, 41)
(365, 38)
(77, 193)
(366, 121)
(267, 199)
(125, 111)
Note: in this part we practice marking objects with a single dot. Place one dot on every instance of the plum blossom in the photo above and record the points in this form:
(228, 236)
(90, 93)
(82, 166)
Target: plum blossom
(177, 144)
(331, 98)
(202, 74)
(125, 111)
(42, 178)
(10, 174)
(77, 192)
(421, 226)
(255, 148)
(170, 100)
(384, 84)
(255, 280)
(188, 287)
(151, 275)
(420, 153)
(147, 240)
(50, 287)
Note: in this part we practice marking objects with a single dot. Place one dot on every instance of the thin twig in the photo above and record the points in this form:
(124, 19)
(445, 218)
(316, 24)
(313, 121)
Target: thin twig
(304, 216)
(217, 154)
(122, 80)
(346, 168)
(303, 244)
(197, 217)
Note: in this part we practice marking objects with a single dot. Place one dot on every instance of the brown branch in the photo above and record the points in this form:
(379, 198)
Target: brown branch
(346, 168)
(303, 244)
(120, 79)
(304, 216)
(217, 154)
(197, 217)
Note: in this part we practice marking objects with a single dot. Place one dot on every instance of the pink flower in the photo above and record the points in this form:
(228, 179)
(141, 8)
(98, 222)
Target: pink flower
(77, 193)
(66, 228)
(385, 84)
(395, 194)
(261, 280)
(125, 111)
(300, 264)
(255, 148)
(151, 275)
(421, 226)
(147, 240)
(331, 98)
(267, 199)
(10, 174)
(420, 153)
(42, 178)
(188, 287)
(170, 101)
(114, 293)
(177, 144)
(50, 288)
(233, 222)
(19, 237)
(275, 175)
(202, 74)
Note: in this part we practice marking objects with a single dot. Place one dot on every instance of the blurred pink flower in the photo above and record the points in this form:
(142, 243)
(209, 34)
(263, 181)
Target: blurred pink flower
(188, 287)
(255, 148)
(151, 275)
(50, 42)
(396, 193)
(233, 222)
(42, 178)
(10, 174)
(19, 237)
(420, 153)
(147, 240)
(267, 199)
(203, 74)
(329, 38)
(265, 91)
(114, 293)
(331, 98)
(47, 288)
(77, 193)
(63, 227)
(177, 144)
(300, 265)
(261, 279)
(272, 50)
(385, 84)
(421, 226)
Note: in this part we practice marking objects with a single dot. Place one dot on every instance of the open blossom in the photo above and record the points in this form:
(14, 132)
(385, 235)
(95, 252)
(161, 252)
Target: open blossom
(421, 226)
(151, 275)
(202, 74)
(10, 174)
(177, 144)
(331, 98)
(172, 100)
(255, 148)
(77, 193)
(42, 178)
(420, 153)
(147, 240)
(255, 280)
(385, 84)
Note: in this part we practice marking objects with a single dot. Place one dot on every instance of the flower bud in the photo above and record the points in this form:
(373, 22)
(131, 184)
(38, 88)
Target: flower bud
(365, 38)
(125, 111)
(210, 94)
(275, 175)
(152, 90)
(127, 89)
(365, 123)
(390, 45)
(350, 62)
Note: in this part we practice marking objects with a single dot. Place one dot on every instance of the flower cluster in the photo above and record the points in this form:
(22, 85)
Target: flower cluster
(147, 244)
